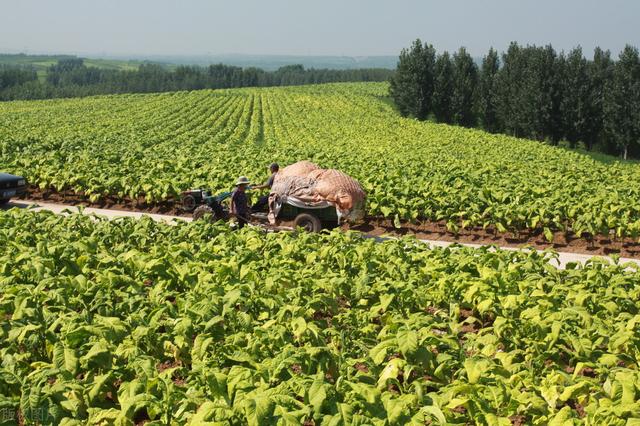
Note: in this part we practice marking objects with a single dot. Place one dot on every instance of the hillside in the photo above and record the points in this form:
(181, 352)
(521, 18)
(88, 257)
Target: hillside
(131, 321)
(158, 145)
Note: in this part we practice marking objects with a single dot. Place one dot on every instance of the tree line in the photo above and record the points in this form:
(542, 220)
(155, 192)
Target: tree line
(529, 91)
(70, 77)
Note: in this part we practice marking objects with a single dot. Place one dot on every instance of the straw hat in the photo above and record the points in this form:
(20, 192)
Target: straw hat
(242, 180)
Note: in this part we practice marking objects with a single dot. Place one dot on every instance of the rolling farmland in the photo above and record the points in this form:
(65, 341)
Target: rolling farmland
(156, 145)
(212, 221)
(136, 322)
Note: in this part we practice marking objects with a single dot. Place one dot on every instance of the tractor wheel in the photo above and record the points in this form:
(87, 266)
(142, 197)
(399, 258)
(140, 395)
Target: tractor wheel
(308, 222)
(188, 203)
(204, 212)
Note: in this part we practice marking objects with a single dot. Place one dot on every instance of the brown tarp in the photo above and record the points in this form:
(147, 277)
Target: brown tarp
(301, 169)
(304, 184)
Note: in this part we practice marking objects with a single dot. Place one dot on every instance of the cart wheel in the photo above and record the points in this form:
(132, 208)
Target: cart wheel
(204, 212)
(308, 222)
(188, 203)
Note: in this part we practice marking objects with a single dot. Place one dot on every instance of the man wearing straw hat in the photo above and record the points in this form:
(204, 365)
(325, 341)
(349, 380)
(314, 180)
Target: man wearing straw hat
(239, 204)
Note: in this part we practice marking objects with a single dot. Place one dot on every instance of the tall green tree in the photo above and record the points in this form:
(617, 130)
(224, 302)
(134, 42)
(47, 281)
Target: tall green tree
(553, 74)
(511, 103)
(622, 103)
(543, 84)
(530, 92)
(487, 97)
(403, 86)
(600, 75)
(412, 85)
(465, 83)
(443, 89)
(576, 102)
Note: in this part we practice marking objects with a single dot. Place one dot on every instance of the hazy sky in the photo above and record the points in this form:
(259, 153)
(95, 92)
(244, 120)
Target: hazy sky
(299, 27)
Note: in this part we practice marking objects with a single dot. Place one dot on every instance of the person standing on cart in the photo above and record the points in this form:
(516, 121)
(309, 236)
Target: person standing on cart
(264, 200)
(239, 204)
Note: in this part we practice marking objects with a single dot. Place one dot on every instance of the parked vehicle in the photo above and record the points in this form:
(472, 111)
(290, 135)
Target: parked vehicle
(11, 186)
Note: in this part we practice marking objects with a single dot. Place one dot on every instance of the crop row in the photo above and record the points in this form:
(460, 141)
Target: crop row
(158, 145)
(128, 321)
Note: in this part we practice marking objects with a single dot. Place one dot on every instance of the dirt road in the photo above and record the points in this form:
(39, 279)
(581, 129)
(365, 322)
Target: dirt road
(562, 261)
(61, 208)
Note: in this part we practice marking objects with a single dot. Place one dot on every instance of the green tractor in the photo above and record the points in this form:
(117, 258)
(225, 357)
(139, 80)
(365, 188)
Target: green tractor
(201, 202)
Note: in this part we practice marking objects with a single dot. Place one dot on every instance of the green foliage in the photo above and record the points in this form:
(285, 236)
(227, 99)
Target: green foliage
(487, 101)
(465, 77)
(118, 322)
(412, 85)
(600, 76)
(443, 89)
(158, 145)
(537, 93)
(74, 77)
(530, 92)
(622, 101)
(576, 103)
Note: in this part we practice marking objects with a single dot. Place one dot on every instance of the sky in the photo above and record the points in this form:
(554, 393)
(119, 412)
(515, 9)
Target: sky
(301, 27)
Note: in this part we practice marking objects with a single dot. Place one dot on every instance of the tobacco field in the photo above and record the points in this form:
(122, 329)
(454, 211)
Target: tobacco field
(156, 145)
(135, 322)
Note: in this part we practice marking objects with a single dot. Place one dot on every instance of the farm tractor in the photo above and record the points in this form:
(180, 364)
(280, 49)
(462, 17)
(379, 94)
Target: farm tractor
(312, 218)
(201, 202)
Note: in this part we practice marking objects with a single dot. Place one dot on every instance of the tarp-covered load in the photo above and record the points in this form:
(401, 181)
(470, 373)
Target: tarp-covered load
(306, 185)
(300, 169)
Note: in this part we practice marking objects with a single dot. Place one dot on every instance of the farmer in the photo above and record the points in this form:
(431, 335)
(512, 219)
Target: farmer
(239, 204)
(264, 200)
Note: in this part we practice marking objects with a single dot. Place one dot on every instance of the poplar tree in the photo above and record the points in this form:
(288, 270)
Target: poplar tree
(487, 99)
(465, 82)
(511, 104)
(576, 102)
(600, 75)
(443, 89)
(622, 103)
(412, 85)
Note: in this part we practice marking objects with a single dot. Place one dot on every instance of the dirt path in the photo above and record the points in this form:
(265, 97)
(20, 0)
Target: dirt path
(110, 213)
(563, 257)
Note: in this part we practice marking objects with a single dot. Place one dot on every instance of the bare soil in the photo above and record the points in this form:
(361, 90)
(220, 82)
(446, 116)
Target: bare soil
(377, 227)
(168, 207)
(562, 241)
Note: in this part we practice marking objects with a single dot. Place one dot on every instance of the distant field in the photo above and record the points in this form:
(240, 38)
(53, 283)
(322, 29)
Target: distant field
(39, 62)
(42, 62)
(159, 144)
